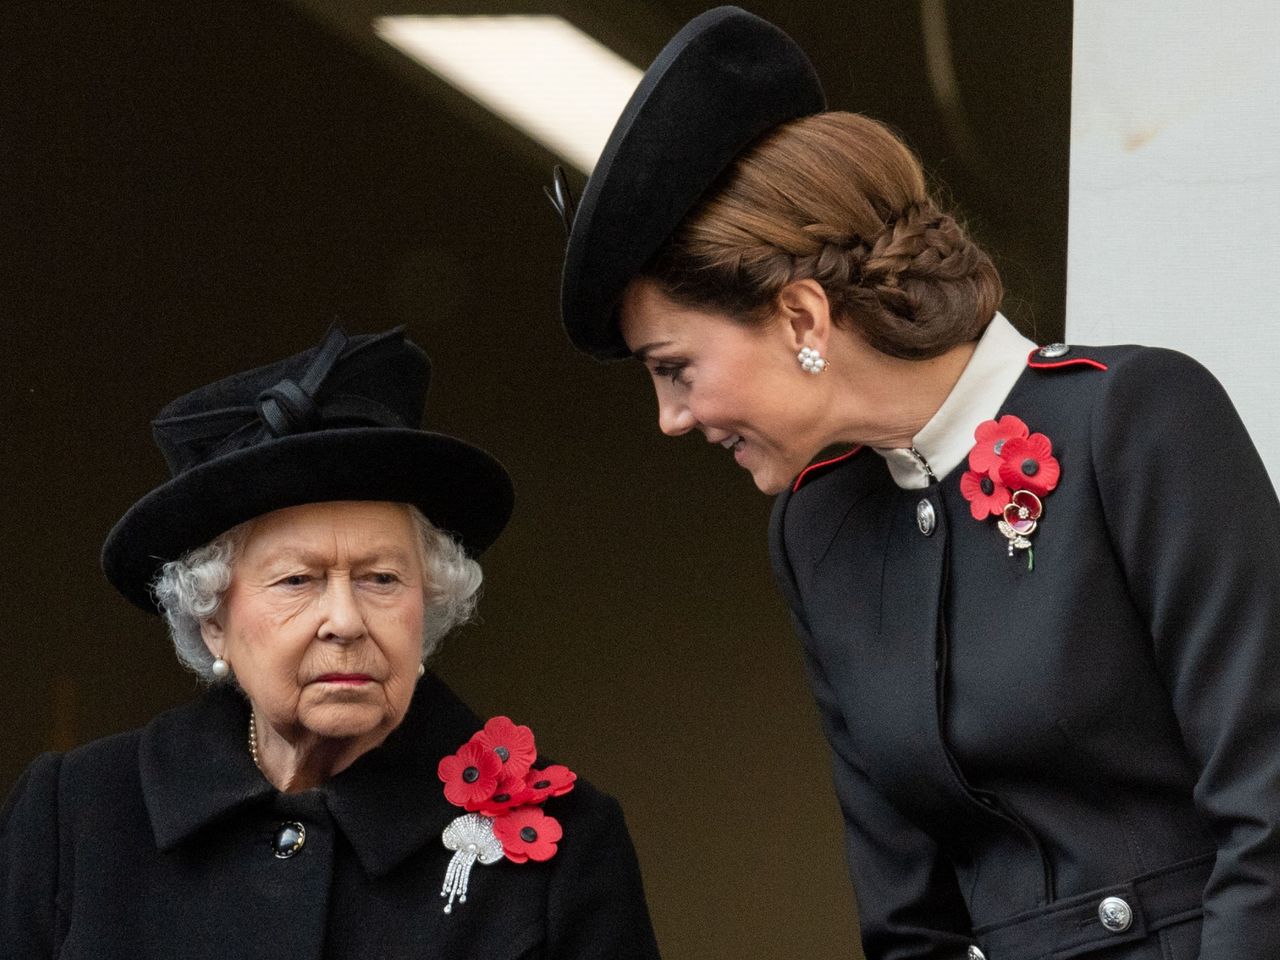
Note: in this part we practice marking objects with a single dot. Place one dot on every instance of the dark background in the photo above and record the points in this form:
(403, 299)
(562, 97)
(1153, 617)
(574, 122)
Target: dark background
(191, 189)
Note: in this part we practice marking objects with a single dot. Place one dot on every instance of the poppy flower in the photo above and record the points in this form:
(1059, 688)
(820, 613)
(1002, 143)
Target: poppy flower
(552, 781)
(470, 775)
(1022, 512)
(1028, 464)
(527, 834)
(513, 744)
(510, 792)
(988, 450)
(986, 497)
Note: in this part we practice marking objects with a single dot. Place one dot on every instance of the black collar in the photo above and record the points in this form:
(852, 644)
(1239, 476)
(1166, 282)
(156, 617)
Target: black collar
(195, 767)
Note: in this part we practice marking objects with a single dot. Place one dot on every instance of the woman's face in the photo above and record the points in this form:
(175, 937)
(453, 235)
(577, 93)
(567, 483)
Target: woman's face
(322, 623)
(741, 386)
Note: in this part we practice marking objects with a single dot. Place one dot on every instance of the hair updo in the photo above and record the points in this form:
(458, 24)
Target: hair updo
(836, 198)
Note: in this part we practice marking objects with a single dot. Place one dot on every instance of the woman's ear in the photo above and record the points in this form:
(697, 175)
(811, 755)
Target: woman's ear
(213, 635)
(806, 315)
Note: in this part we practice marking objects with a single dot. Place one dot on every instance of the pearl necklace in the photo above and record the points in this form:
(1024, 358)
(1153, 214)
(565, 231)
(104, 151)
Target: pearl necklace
(253, 742)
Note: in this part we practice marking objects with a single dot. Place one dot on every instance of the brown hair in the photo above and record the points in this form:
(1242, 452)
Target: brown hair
(838, 198)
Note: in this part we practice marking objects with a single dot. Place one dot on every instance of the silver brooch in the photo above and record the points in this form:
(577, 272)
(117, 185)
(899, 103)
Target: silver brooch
(471, 838)
(1019, 520)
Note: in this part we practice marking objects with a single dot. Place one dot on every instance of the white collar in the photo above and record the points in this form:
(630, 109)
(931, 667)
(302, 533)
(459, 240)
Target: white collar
(945, 441)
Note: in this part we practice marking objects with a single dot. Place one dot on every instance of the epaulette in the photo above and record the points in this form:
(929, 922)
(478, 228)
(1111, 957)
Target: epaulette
(1055, 356)
(821, 467)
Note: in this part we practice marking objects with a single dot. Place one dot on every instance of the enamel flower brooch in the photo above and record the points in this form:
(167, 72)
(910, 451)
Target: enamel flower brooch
(492, 777)
(1011, 471)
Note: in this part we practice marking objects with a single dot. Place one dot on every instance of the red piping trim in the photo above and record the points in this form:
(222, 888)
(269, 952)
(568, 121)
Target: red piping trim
(818, 466)
(1062, 363)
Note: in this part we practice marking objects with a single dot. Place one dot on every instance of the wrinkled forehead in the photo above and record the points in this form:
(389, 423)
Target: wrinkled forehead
(334, 532)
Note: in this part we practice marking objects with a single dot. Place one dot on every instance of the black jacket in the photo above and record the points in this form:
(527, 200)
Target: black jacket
(1014, 746)
(158, 844)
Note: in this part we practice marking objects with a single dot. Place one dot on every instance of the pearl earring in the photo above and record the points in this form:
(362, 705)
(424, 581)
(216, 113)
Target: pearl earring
(422, 669)
(811, 360)
(221, 669)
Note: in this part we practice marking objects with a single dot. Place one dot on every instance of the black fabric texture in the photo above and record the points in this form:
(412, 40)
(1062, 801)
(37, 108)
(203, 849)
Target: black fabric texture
(1005, 739)
(157, 844)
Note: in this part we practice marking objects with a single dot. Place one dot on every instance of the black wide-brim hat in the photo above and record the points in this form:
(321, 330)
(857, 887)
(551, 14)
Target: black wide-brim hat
(726, 78)
(335, 422)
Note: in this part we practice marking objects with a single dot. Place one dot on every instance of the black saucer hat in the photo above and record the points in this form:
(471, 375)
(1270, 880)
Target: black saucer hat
(336, 422)
(726, 78)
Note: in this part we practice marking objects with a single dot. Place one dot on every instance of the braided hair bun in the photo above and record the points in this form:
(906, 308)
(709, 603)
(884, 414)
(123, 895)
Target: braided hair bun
(836, 198)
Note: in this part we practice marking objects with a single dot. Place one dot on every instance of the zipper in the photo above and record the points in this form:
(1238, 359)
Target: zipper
(923, 463)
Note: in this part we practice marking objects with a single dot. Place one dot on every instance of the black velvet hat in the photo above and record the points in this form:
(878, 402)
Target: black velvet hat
(336, 422)
(726, 78)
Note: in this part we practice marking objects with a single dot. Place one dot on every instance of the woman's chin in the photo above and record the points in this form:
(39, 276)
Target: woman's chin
(769, 479)
(343, 721)
(770, 484)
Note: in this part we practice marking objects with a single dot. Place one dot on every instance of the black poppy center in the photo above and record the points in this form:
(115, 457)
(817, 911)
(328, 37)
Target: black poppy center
(542, 784)
(987, 486)
(528, 834)
(1030, 466)
(503, 753)
(502, 797)
(471, 774)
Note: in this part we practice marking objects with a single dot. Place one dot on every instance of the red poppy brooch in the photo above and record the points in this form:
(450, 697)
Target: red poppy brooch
(1011, 471)
(493, 778)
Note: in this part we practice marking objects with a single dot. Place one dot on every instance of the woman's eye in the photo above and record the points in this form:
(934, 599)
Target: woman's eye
(383, 579)
(294, 580)
(672, 372)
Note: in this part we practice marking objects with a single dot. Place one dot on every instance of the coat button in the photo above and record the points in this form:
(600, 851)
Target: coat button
(1052, 350)
(926, 519)
(1115, 915)
(289, 838)
(976, 953)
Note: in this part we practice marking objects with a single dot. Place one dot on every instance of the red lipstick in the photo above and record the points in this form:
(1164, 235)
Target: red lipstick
(348, 678)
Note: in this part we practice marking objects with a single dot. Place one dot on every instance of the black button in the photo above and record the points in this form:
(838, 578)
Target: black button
(289, 838)
(987, 486)
(1030, 467)
(503, 753)
(528, 834)
(471, 774)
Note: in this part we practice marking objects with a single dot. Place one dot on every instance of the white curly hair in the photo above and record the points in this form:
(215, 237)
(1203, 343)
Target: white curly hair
(189, 590)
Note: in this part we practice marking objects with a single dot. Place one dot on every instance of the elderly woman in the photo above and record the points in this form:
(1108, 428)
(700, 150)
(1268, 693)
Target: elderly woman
(328, 797)
(1039, 600)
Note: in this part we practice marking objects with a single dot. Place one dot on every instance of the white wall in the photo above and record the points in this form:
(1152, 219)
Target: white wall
(1175, 189)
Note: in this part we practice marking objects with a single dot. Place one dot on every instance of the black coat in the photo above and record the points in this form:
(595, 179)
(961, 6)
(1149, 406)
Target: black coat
(158, 844)
(1011, 746)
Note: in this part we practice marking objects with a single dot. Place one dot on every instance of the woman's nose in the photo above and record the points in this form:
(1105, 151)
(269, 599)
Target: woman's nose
(342, 619)
(674, 417)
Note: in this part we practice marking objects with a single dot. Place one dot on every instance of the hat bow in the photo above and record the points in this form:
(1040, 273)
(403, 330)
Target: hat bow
(310, 402)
